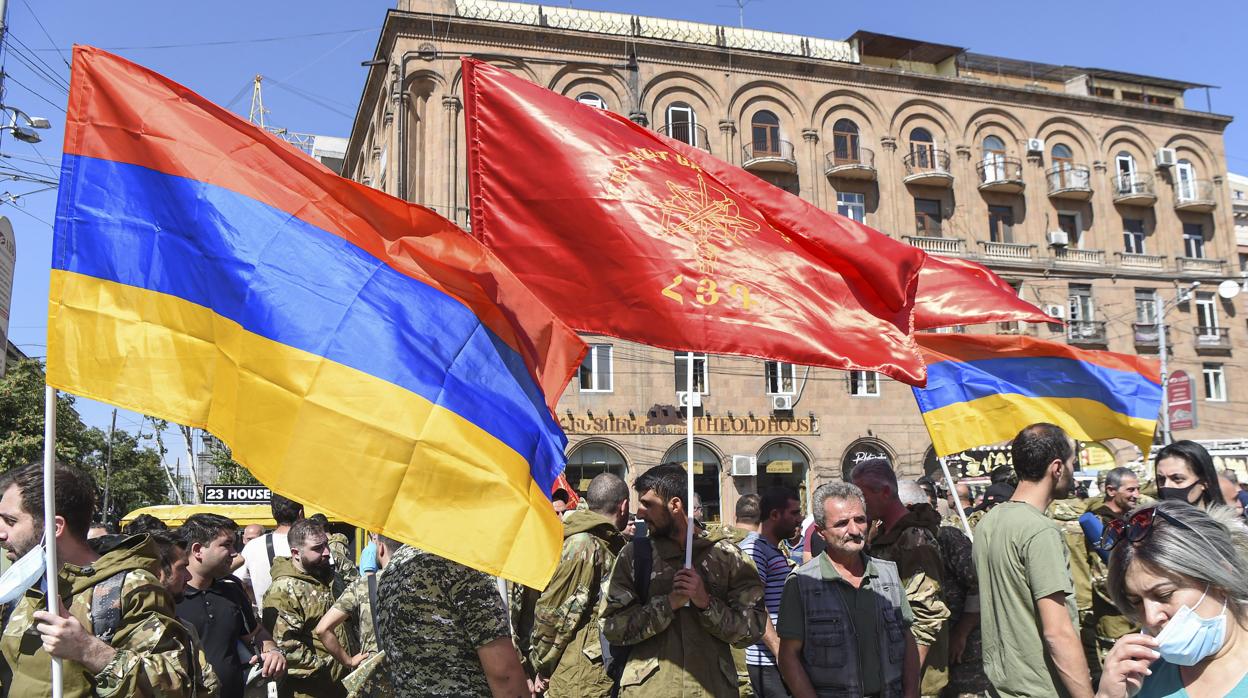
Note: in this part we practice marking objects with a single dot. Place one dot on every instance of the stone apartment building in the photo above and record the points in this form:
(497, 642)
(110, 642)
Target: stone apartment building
(1099, 194)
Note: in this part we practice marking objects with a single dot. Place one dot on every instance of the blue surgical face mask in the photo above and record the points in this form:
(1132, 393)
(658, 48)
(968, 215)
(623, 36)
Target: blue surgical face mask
(1187, 638)
(22, 575)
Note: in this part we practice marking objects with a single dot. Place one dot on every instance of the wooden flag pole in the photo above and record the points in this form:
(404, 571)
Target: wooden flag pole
(49, 519)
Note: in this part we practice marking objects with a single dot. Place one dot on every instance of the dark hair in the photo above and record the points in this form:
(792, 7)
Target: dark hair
(302, 530)
(605, 492)
(747, 509)
(774, 499)
(285, 511)
(75, 495)
(1198, 459)
(169, 548)
(205, 528)
(1036, 447)
(560, 495)
(669, 481)
(391, 544)
(145, 523)
(109, 527)
(320, 518)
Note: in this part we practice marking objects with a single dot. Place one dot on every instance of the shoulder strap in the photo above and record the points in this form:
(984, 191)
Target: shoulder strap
(643, 565)
(372, 605)
(268, 546)
(106, 607)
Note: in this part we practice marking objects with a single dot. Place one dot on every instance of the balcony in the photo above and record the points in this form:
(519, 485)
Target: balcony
(1000, 174)
(928, 167)
(1007, 251)
(1213, 339)
(1090, 332)
(694, 134)
(1148, 335)
(1200, 265)
(1069, 182)
(1195, 196)
(1142, 262)
(858, 163)
(769, 156)
(949, 247)
(1074, 256)
(1134, 189)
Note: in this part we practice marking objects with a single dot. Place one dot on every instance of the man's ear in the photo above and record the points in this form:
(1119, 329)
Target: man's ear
(60, 526)
(676, 504)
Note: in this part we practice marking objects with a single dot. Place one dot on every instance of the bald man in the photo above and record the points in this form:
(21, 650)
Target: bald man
(251, 532)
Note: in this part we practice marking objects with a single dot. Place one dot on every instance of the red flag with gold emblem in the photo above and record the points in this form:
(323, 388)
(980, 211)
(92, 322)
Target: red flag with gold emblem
(956, 291)
(624, 232)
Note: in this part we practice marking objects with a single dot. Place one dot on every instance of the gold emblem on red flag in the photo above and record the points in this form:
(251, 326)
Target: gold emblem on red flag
(708, 215)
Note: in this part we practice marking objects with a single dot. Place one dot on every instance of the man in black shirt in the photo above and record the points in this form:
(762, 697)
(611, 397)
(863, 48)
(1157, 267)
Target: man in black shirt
(217, 605)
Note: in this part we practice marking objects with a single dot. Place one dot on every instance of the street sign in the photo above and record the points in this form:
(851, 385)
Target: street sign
(1182, 405)
(236, 494)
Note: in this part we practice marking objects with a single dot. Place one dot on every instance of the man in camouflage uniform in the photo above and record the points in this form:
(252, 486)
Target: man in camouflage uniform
(355, 608)
(304, 588)
(444, 630)
(908, 538)
(148, 652)
(339, 552)
(171, 553)
(680, 630)
(565, 648)
(1104, 624)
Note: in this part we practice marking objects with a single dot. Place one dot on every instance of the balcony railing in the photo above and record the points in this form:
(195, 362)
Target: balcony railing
(1003, 174)
(1134, 189)
(1069, 182)
(851, 163)
(1197, 195)
(928, 166)
(1200, 265)
(770, 155)
(1007, 251)
(1149, 262)
(1149, 334)
(1085, 332)
(1074, 255)
(944, 246)
(695, 135)
(1213, 339)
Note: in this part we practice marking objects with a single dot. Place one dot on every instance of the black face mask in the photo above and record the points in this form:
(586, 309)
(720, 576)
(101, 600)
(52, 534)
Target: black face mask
(1180, 494)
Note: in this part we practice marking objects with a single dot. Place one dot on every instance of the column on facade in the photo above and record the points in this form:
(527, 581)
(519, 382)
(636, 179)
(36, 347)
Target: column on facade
(727, 127)
(811, 136)
(892, 192)
(964, 176)
(450, 107)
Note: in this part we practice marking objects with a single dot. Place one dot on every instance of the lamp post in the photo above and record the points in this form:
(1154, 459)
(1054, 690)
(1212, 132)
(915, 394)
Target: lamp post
(1182, 296)
(25, 133)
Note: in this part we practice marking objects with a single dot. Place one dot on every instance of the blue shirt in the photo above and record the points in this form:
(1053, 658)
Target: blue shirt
(1165, 682)
(773, 568)
(368, 558)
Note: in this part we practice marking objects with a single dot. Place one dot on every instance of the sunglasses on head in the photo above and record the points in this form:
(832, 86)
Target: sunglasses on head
(1136, 528)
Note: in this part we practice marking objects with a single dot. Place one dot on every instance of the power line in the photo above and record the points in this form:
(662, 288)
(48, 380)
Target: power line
(235, 42)
(46, 34)
(8, 76)
(32, 58)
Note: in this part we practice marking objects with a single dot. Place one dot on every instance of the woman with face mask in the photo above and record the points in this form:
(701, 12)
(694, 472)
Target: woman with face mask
(1185, 473)
(1179, 572)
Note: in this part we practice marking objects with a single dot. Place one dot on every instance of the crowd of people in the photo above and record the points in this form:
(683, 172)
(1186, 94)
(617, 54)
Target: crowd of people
(1138, 591)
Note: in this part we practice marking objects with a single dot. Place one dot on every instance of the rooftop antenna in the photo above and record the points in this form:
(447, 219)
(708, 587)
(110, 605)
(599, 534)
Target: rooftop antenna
(257, 112)
(740, 5)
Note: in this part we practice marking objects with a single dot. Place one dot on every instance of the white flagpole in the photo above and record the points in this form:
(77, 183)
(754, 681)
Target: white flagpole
(49, 518)
(689, 403)
(957, 501)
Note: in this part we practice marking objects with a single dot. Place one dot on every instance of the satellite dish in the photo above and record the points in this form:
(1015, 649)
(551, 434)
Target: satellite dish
(1228, 289)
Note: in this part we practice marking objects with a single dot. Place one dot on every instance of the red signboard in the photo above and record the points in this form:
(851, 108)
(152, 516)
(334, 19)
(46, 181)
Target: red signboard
(1181, 405)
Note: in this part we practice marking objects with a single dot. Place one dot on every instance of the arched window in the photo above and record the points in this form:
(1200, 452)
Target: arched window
(1185, 180)
(845, 142)
(682, 123)
(994, 146)
(783, 463)
(590, 459)
(994, 159)
(765, 128)
(922, 147)
(705, 475)
(1062, 155)
(591, 99)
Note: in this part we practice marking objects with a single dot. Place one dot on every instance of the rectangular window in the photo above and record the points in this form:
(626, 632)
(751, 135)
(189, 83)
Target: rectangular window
(927, 218)
(1163, 101)
(699, 372)
(1069, 222)
(1215, 382)
(1001, 223)
(1145, 306)
(1194, 240)
(852, 206)
(1243, 261)
(1106, 92)
(1132, 96)
(864, 384)
(597, 369)
(1206, 315)
(780, 379)
(1133, 236)
(1081, 308)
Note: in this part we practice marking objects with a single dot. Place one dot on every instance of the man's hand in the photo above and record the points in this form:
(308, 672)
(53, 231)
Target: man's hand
(358, 659)
(65, 638)
(273, 662)
(688, 583)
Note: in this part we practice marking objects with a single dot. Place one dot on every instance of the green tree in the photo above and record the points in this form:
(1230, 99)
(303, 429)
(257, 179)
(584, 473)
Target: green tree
(134, 478)
(21, 420)
(229, 471)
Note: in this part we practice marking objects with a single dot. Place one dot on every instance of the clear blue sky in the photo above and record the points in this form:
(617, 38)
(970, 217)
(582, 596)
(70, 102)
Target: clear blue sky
(216, 49)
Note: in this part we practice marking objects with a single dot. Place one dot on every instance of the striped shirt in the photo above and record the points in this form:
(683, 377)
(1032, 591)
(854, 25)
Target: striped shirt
(773, 569)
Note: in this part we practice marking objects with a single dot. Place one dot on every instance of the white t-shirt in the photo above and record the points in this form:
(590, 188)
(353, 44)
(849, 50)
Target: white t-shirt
(255, 567)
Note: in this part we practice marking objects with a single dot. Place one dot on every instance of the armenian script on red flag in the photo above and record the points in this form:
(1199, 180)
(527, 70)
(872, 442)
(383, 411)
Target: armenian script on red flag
(624, 232)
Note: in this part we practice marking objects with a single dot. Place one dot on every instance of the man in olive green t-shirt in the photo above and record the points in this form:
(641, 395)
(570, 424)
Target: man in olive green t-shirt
(1027, 601)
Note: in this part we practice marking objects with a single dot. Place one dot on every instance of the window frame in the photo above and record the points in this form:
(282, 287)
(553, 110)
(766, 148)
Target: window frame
(1205, 307)
(1213, 378)
(846, 143)
(593, 357)
(1076, 236)
(1149, 301)
(773, 388)
(770, 134)
(860, 383)
(1184, 180)
(598, 102)
(699, 357)
(995, 221)
(691, 123)
(845, 208)
(922, 229)
(1128, 234)
(1193, 243)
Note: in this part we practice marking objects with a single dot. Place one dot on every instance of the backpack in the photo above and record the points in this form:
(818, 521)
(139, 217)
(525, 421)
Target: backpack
(614, 657)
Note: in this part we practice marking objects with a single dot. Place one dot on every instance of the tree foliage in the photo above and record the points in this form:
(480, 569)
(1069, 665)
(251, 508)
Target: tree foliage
(229, 471)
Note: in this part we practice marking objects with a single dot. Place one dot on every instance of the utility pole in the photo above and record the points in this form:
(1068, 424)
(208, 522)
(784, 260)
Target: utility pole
(160, 448)
(1162, 354)
(108, 461)
(188, 435)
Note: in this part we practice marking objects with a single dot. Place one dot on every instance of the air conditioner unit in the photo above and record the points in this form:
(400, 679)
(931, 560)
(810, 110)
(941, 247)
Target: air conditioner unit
(1035, 145)
(1059, 238)
(780, 403)
(1166, 157)
(685, 399)
(1054, 310)
(744, 466)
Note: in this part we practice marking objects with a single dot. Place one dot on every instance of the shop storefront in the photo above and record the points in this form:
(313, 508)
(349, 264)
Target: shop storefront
(786, 464)
(706, 476)
(590, 458)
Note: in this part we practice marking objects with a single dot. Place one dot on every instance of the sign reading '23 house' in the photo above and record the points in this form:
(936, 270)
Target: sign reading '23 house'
(236, 494)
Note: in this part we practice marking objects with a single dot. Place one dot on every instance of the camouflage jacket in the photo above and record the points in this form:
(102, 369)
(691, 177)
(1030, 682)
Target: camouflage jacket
(292, 607)
(565, 643)
(344, 561)
(684, 652)
(1084, 564)
(912, 544)
(353, 601)
(154, 651)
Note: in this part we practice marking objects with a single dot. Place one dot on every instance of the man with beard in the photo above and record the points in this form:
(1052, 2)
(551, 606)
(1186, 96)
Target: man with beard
(1104, 623)
(121, 644)
(172, 554)
(844, 620)
(216, 605)
(1029, 618)
(780, 514)
(679, 621)
(304, 589)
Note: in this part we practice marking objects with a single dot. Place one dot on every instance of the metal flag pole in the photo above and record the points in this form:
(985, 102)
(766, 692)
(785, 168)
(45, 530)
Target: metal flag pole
(689, 405)
(49, 518)
(957, 501)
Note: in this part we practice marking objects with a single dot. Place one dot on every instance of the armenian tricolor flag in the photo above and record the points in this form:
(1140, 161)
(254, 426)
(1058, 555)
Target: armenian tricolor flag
(356, 352)
(983, 389)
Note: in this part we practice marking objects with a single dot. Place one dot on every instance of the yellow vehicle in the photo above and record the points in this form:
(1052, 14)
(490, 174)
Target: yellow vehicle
(174, 515)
